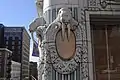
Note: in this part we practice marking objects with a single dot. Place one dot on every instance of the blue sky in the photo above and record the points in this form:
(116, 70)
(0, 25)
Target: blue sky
(18, 13)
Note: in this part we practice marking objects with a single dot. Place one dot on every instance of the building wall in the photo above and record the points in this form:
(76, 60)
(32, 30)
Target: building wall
(85, 9)
(4, 53)
(33, 70)
(13, 41)
(17, 40)
(50, 11)
(1, 36)
(25, 55)
(15, 70)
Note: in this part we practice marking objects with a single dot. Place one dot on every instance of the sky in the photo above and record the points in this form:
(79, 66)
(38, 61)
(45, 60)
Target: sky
(18, 13)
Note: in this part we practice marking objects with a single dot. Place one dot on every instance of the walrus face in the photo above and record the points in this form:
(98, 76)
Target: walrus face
(65, 15)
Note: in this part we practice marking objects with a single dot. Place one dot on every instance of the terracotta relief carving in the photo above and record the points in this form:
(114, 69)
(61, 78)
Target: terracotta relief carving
(61, 45)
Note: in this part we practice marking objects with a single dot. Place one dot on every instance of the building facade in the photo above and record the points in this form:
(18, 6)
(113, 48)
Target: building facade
(1, 35)
(100, 22)
(17, 40)
(33, 70)
(13, 41)
(4, 55)
(15, 70)
(25, 55)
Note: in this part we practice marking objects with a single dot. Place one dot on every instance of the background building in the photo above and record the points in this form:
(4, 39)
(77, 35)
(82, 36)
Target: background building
(13, 41)
(17, 40)
(1, 35)
(5, 64)
(101, 22)
(33, 70)
(15, 70)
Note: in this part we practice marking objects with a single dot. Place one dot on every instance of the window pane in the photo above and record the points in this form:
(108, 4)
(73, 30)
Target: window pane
(106, 48)
(114, 51)
(100, 51)
(10, 43)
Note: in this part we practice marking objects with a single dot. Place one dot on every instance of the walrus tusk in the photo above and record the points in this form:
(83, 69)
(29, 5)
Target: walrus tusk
(63, 31)
(68, 31)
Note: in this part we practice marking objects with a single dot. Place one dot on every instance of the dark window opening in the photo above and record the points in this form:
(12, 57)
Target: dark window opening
(106, 48)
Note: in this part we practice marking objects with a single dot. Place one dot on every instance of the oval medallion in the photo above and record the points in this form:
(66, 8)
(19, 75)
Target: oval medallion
(65, 47)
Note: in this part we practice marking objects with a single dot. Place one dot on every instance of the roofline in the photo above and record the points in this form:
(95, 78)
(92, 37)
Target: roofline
(23, 28)
(14, 26)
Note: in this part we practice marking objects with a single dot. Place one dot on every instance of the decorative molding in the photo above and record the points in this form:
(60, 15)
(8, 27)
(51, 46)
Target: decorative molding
(92, 3)
(84, 55)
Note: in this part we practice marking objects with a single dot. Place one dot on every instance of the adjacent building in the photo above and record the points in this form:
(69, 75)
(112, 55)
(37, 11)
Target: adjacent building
(1, 35)
(100, 19)
(15, 70)
(17, 40)
(33, 70)
(5, 64)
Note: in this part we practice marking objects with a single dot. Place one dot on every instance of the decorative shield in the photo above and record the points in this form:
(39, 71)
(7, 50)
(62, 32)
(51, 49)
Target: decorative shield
(63, 41)
(65, 54)
(65, 48)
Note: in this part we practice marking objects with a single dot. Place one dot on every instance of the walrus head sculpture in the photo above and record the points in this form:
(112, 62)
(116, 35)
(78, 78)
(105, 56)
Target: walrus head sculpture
(67, 22)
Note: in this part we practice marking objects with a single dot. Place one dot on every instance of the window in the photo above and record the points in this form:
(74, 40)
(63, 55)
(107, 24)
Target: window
(10, 43)
(6, 42)
(19, 47)
(12, 47)
(19, 42)
(5, 38)
(16, 38)
(106, 48)
(16, 41)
